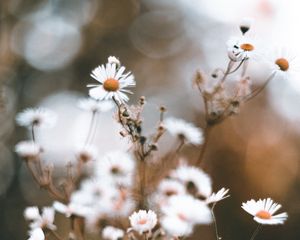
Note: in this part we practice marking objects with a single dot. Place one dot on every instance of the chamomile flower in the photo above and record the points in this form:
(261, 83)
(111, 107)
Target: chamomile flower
(112, 233)
(184, 130)
(182, 212)
(116, 166)
(92, 105)
(44, 220)
(28, 150)
(38, 117)
(218, 196)
(263, 211)
(87, 153)
(36, 234)
(240, 48)
(113, 82)
(197, 182)
(169, 187)
(143, 221)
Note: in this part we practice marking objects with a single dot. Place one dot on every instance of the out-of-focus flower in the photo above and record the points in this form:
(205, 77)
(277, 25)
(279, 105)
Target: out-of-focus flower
(143, 221)
(117, 166)
(245, 25)
(240, 48)
(87, 153)
(263, 211)
(216, 197)
(112, 233)
(113, 82)
(36, 234)
(184, 130)
(114, 60)
(170, 187)
(196, 181)
(182, 212)
(38, 117)
(71, 209)
(28, 150)
(44, 220)
(92, 105)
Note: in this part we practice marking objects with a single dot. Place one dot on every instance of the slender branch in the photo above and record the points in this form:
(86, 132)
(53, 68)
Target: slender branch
(55, 234)
(207, 134)
(256, 231)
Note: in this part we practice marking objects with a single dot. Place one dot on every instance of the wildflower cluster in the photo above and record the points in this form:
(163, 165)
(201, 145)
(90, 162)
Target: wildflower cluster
(116, 200)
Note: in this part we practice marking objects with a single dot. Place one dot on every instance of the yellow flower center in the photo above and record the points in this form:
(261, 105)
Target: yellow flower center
(247, 47)
(142, 221)
(283, 64)
(111, 85)
(263, 214)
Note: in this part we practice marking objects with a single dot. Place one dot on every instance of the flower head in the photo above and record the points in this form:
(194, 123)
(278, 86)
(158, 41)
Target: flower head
(143, 221)
(36, 234)
(113, 82)
(184, 130)
(245, 25)
(86, 153)
(28, 150)
(92, 105)
(44, 220)
(112, 233)
(263, 211)
(38, 117)
(216, 197)
(197, 182)
(240, 48)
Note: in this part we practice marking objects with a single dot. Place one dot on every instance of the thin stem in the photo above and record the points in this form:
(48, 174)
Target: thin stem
(207, 134)
(237, 68)
(256, 231)
(142, 176)
(33, 173)
(90, 128)
(32, 132)
(229, 66)
(215, 222)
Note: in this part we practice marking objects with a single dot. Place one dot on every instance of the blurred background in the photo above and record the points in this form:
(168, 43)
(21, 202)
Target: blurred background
(48, 49)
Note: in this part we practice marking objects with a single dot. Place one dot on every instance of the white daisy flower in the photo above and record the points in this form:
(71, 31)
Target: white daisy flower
(112, 233)
(36, 234)
(240, 48)
(44, 220)
(174, 226)
(187, 209)
(87, 153)
(28, 150)
(196, 181)
(263, 211)
(143, 221)
(216, 197)
(39, 117)
(116, 166)
(184, 130)
(113, 59)
(113, 82)
(71, 209)
(92, 105)
(170, 187)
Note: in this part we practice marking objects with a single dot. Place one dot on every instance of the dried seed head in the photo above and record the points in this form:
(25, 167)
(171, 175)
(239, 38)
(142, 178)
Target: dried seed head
(162, 109)
(142, 100)
(245, 25)
(199, 78)
(283, 64)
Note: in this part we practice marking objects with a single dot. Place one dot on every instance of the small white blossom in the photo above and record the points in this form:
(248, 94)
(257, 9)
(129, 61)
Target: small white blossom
(71, 209)
(216, 197)
(28, 149)
(92, 105)
(116, 166)
(143, 221)
(38, 117)
(31, 213)
(240, 48)
(36, 234)
(184, 130)
(196, 181)
(112, 233)
(113, 82)
(87, 153)
(263, 211)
